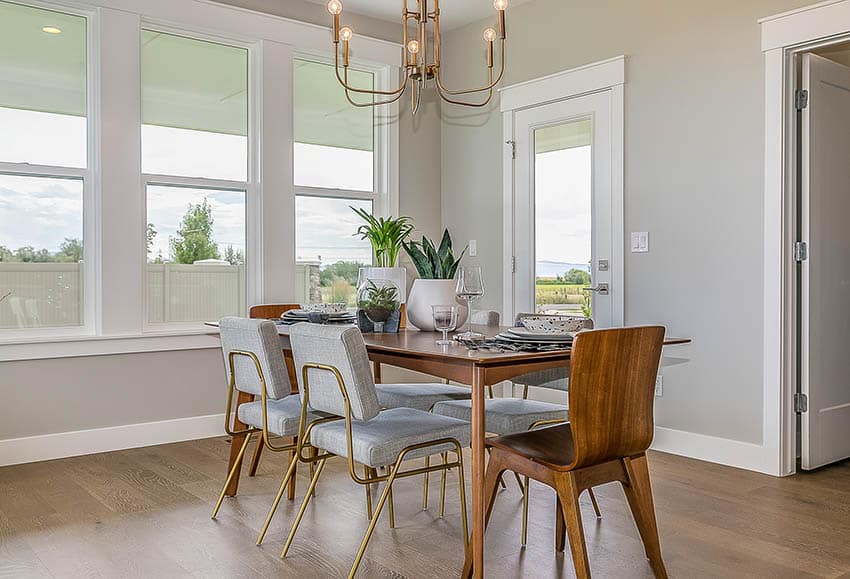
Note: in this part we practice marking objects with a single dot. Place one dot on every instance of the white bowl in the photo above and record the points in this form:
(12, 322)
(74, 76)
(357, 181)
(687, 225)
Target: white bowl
(338, 308)
(556, 324)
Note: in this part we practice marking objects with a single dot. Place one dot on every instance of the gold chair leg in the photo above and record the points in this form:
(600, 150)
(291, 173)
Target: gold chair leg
(290, 472)
(303, 508)
(594, 503)
(526, 491)
(519, 482)
(392, 509)
(443, 486)
(462, 493)
(237, 465)
(425, 485)
(368, 493)
(371, 529)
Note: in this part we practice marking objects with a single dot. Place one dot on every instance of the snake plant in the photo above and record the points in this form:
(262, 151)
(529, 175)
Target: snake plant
(385, 234)
(432, 262)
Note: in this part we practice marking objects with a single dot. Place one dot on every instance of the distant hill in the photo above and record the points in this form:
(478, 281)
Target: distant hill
(556, 268)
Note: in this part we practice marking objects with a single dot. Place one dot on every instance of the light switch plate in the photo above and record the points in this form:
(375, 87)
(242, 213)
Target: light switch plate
(473, 247)
(640, 242)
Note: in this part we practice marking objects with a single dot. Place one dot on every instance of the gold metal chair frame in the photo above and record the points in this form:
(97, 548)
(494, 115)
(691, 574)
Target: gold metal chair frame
(371, 476)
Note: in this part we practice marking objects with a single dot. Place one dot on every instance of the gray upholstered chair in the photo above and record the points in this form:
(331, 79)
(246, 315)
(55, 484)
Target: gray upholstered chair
(486, 318)
(505, 416)
(255, 365)
(335, 378)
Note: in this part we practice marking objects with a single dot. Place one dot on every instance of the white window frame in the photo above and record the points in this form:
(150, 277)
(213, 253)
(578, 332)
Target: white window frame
(87, 175)
(114, 202)
(250, 187)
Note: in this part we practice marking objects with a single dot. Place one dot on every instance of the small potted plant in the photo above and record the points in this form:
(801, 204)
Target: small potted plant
(387, 236)
(378, 306)
(437, 267)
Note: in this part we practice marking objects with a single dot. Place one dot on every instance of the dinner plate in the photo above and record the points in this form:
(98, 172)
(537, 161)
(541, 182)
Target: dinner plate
(526, 333)
(526, 340)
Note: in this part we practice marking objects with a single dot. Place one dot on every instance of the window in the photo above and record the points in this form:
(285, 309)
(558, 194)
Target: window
(334, 169)
(195, 169)
(43, 168)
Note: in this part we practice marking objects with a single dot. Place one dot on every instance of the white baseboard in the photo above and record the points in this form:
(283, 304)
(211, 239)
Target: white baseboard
(65, 444)
(724, 451)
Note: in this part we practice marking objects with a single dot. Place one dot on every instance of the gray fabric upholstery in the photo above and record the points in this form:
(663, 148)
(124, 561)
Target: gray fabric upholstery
(259, 337)
(505, 415)
(419, 396)
(379, 441)
(343, 348)
(284, 415)
(486, 318)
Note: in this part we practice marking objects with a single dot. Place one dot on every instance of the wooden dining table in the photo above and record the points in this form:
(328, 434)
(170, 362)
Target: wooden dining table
(418, 351)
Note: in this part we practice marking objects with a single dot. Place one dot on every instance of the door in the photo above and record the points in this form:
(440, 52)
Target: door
(825, 274)
(563, 210)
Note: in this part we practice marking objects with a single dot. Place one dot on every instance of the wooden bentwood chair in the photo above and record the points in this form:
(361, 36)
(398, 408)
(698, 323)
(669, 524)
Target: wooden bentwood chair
(612, 382)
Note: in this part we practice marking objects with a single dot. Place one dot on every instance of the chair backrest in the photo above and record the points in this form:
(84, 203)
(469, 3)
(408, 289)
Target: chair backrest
(486, 318)
(259, 337)
(269, 311)
(343, 348)
(612, 390)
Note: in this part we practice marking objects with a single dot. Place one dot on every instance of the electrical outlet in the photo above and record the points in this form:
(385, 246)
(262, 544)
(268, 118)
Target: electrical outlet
(659, 385)
(473, 247)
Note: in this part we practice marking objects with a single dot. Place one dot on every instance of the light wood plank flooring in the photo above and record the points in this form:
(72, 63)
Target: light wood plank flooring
(145, 513)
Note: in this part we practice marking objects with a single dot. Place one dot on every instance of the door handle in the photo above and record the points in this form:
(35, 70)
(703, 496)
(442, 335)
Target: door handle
(601, 289)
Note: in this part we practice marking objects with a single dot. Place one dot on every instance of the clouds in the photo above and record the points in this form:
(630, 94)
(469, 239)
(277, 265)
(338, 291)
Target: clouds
(325, 228)
(40, 211)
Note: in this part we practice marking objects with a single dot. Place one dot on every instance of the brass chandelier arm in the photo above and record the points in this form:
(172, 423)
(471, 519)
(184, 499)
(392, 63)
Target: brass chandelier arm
(344, 82)
(448, 99)
(445, 90)
(374, 103)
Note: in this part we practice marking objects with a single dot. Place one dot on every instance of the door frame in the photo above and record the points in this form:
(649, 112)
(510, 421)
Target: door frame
(783, 36)
(606, 75)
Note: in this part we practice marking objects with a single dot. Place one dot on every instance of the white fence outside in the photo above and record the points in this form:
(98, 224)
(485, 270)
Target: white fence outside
(50, 294)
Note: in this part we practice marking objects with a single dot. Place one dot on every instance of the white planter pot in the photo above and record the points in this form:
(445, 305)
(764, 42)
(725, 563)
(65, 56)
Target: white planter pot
(432, 292)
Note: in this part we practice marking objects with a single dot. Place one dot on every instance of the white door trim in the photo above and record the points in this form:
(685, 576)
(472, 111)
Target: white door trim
(596, 77)
(781, 36)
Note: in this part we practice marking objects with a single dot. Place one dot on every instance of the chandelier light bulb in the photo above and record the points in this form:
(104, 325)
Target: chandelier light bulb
(500, 4)
(345, 33)
(413, 46)
(489, 34)
(334, 7)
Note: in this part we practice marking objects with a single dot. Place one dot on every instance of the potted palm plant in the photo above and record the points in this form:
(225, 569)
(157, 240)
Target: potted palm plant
(437, 267)
(387, 236)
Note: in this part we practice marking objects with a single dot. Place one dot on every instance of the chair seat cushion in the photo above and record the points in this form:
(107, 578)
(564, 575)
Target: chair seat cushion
(419, 396)
(553, 378)
(379, 441)
(552, 446)
(505, 415)
(284, 414)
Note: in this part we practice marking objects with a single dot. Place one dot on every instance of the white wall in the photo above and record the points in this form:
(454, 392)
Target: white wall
(693, 178)
(71, 394)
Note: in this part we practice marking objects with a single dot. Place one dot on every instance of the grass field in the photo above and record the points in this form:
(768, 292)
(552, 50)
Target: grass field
(558, 293)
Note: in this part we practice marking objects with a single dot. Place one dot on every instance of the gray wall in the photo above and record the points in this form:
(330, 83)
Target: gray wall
(68, 394)
(693, 178)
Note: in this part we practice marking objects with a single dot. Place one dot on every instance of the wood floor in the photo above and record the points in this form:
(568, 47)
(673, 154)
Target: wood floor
(145, 513)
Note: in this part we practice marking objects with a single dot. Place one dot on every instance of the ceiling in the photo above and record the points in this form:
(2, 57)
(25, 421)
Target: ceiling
(453, 13)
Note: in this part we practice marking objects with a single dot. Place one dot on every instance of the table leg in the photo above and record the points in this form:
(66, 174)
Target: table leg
(236, 444)
(377, 366)
(474, 565)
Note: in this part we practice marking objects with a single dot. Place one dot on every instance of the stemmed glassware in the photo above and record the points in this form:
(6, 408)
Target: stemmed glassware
(445, 320)
(470, 285)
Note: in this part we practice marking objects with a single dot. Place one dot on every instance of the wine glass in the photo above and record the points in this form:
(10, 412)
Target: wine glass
(470, 285)
(445, 320)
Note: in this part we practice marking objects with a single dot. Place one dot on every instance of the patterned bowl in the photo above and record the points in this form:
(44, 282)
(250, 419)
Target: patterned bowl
(556, 324)
(338, 308)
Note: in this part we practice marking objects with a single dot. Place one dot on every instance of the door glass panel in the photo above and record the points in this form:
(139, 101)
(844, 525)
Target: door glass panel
(563, 217)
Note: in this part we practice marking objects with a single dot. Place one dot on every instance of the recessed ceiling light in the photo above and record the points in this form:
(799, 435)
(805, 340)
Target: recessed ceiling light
(51, 30)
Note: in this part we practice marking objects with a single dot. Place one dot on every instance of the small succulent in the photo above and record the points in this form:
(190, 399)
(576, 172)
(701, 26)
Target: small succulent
(432, 262)
(379, 302)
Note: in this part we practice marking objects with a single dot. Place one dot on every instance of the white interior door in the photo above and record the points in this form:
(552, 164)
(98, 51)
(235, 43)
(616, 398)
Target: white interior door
(563, 244)
(825, 284)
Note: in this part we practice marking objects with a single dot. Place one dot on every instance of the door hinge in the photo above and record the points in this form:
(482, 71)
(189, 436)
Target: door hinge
(801, 403)
(513, 148)
(801, 99)
(801, 251)
(513, 264)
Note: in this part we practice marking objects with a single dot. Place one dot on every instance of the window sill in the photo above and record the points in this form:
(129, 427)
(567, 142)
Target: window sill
(81, 346)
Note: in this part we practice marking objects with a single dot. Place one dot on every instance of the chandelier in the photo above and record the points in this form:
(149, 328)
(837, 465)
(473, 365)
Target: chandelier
(421, 65)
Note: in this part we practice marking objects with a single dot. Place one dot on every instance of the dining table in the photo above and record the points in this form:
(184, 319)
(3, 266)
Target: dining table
(416, 350)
